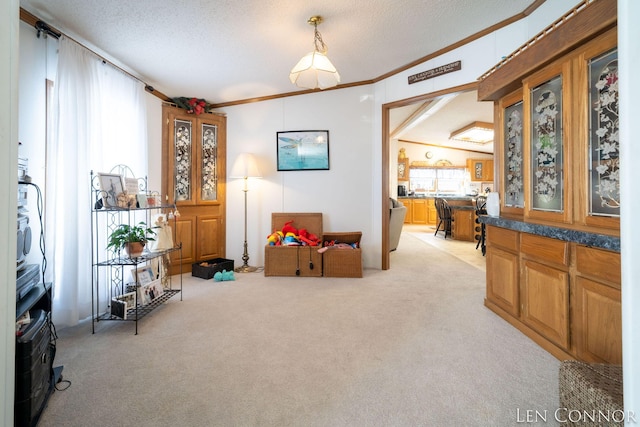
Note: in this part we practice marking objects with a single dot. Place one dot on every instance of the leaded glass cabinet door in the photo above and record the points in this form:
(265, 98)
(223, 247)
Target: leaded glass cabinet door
(604, 143)
(182, 141)
(208, 162)
(547, 159)
(513, 156)
(596, 68)
(547, 147)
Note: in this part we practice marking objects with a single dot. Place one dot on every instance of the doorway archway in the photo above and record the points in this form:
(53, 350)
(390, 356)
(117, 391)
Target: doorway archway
(386, 155)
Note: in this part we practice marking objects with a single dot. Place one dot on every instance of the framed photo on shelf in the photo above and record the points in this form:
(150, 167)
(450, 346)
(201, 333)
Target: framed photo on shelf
(142, 200)
(111, 185)
(132, 185)
(150, 291)
(122, 303)
(142, 275)
(303, 150)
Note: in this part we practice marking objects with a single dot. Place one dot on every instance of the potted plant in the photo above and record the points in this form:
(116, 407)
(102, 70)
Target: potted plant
(132, 238)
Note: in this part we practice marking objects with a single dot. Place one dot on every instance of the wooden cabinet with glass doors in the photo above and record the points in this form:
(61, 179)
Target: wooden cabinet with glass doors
(558, 158)
(194, 170)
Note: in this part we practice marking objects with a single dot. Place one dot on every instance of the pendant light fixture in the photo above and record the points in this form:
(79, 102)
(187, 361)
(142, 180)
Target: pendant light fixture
(315, 70)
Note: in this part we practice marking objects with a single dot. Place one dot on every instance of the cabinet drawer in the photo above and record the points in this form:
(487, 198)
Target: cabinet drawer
(598, 263)
(544, 248)
(507, 239)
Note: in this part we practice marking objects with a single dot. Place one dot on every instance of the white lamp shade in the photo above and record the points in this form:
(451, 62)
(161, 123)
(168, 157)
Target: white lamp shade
(245, 166)
(314, 71)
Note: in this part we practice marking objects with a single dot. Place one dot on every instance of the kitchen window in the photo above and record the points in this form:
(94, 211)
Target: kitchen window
(437, 180)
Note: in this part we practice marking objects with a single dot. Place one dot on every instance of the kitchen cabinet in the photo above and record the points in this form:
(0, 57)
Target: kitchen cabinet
(480, 169)
(432, 213)
(545, 301)
(403, 169)
(419, 211)
(423, 211)
(462, 224)
(407, 204)
(193, 177)
(563, 295)
(503, 278)
(598, 310)
(557, 123)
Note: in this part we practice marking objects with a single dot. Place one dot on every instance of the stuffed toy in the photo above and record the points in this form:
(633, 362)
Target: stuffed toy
(275, 238)
(288, 228)
(307, 238)
(334, 244)
(290, 236)
(223, 275)
(290, 239)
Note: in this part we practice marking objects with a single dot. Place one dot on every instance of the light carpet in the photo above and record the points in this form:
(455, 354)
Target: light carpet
(410, 346)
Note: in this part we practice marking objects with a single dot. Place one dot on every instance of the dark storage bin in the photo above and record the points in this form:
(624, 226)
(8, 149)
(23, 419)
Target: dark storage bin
(211, 267)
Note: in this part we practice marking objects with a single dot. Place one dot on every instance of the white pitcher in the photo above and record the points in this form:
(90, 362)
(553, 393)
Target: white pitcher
(493, 204)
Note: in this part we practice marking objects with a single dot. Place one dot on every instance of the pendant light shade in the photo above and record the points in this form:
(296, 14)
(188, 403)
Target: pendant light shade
(315, 70)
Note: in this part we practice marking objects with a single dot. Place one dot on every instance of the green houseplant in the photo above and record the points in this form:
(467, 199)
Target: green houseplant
(131, 238)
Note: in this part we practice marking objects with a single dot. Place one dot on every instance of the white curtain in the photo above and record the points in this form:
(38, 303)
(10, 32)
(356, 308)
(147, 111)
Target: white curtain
(99, 122)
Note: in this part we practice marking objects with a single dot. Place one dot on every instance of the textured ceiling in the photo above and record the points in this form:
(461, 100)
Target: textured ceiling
(229, 50)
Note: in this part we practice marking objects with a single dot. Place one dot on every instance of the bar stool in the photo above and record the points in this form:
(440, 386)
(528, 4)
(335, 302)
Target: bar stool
(444, 216)
(481, 209)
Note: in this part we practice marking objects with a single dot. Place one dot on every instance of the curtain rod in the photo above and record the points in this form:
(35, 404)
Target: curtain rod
(43, 27)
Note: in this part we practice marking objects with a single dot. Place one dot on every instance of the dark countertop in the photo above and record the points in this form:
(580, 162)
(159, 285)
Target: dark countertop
(469, 198)
(463, 207)
(582, 237)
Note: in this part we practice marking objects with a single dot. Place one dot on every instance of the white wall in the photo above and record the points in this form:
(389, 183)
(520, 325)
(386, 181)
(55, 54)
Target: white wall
(343, 193)
(628, 36)
(37, 64)
(8, 174)
(154, 138)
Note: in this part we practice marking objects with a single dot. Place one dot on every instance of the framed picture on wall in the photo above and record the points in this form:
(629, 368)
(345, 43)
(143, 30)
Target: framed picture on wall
(303, 150)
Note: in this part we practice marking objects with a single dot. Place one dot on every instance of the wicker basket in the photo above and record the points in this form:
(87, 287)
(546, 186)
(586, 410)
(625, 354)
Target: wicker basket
(207, 269)
(342, 262)
(588, 389)
(304, 261)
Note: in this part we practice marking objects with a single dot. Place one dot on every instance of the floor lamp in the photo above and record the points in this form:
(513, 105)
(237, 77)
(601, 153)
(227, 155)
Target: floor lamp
(245, 167)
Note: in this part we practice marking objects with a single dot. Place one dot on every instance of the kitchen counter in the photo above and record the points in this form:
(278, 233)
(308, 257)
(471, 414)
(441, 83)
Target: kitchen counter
(448, 198)
(462, 207)
(582, 237)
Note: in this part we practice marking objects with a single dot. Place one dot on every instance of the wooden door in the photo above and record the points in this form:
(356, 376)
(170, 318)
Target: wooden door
(419, 211)
(463, 222)
(502, 279)
(407, 203)
(487, 170)
(193, 177)
(545, 301)
(598, 322)
(432, 213)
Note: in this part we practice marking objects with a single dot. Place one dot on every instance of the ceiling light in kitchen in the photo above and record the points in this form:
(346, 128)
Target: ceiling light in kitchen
(476, 132)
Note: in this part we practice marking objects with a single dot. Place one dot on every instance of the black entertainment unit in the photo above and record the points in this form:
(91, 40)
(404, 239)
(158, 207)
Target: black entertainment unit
(35, 376)
(33, 369)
